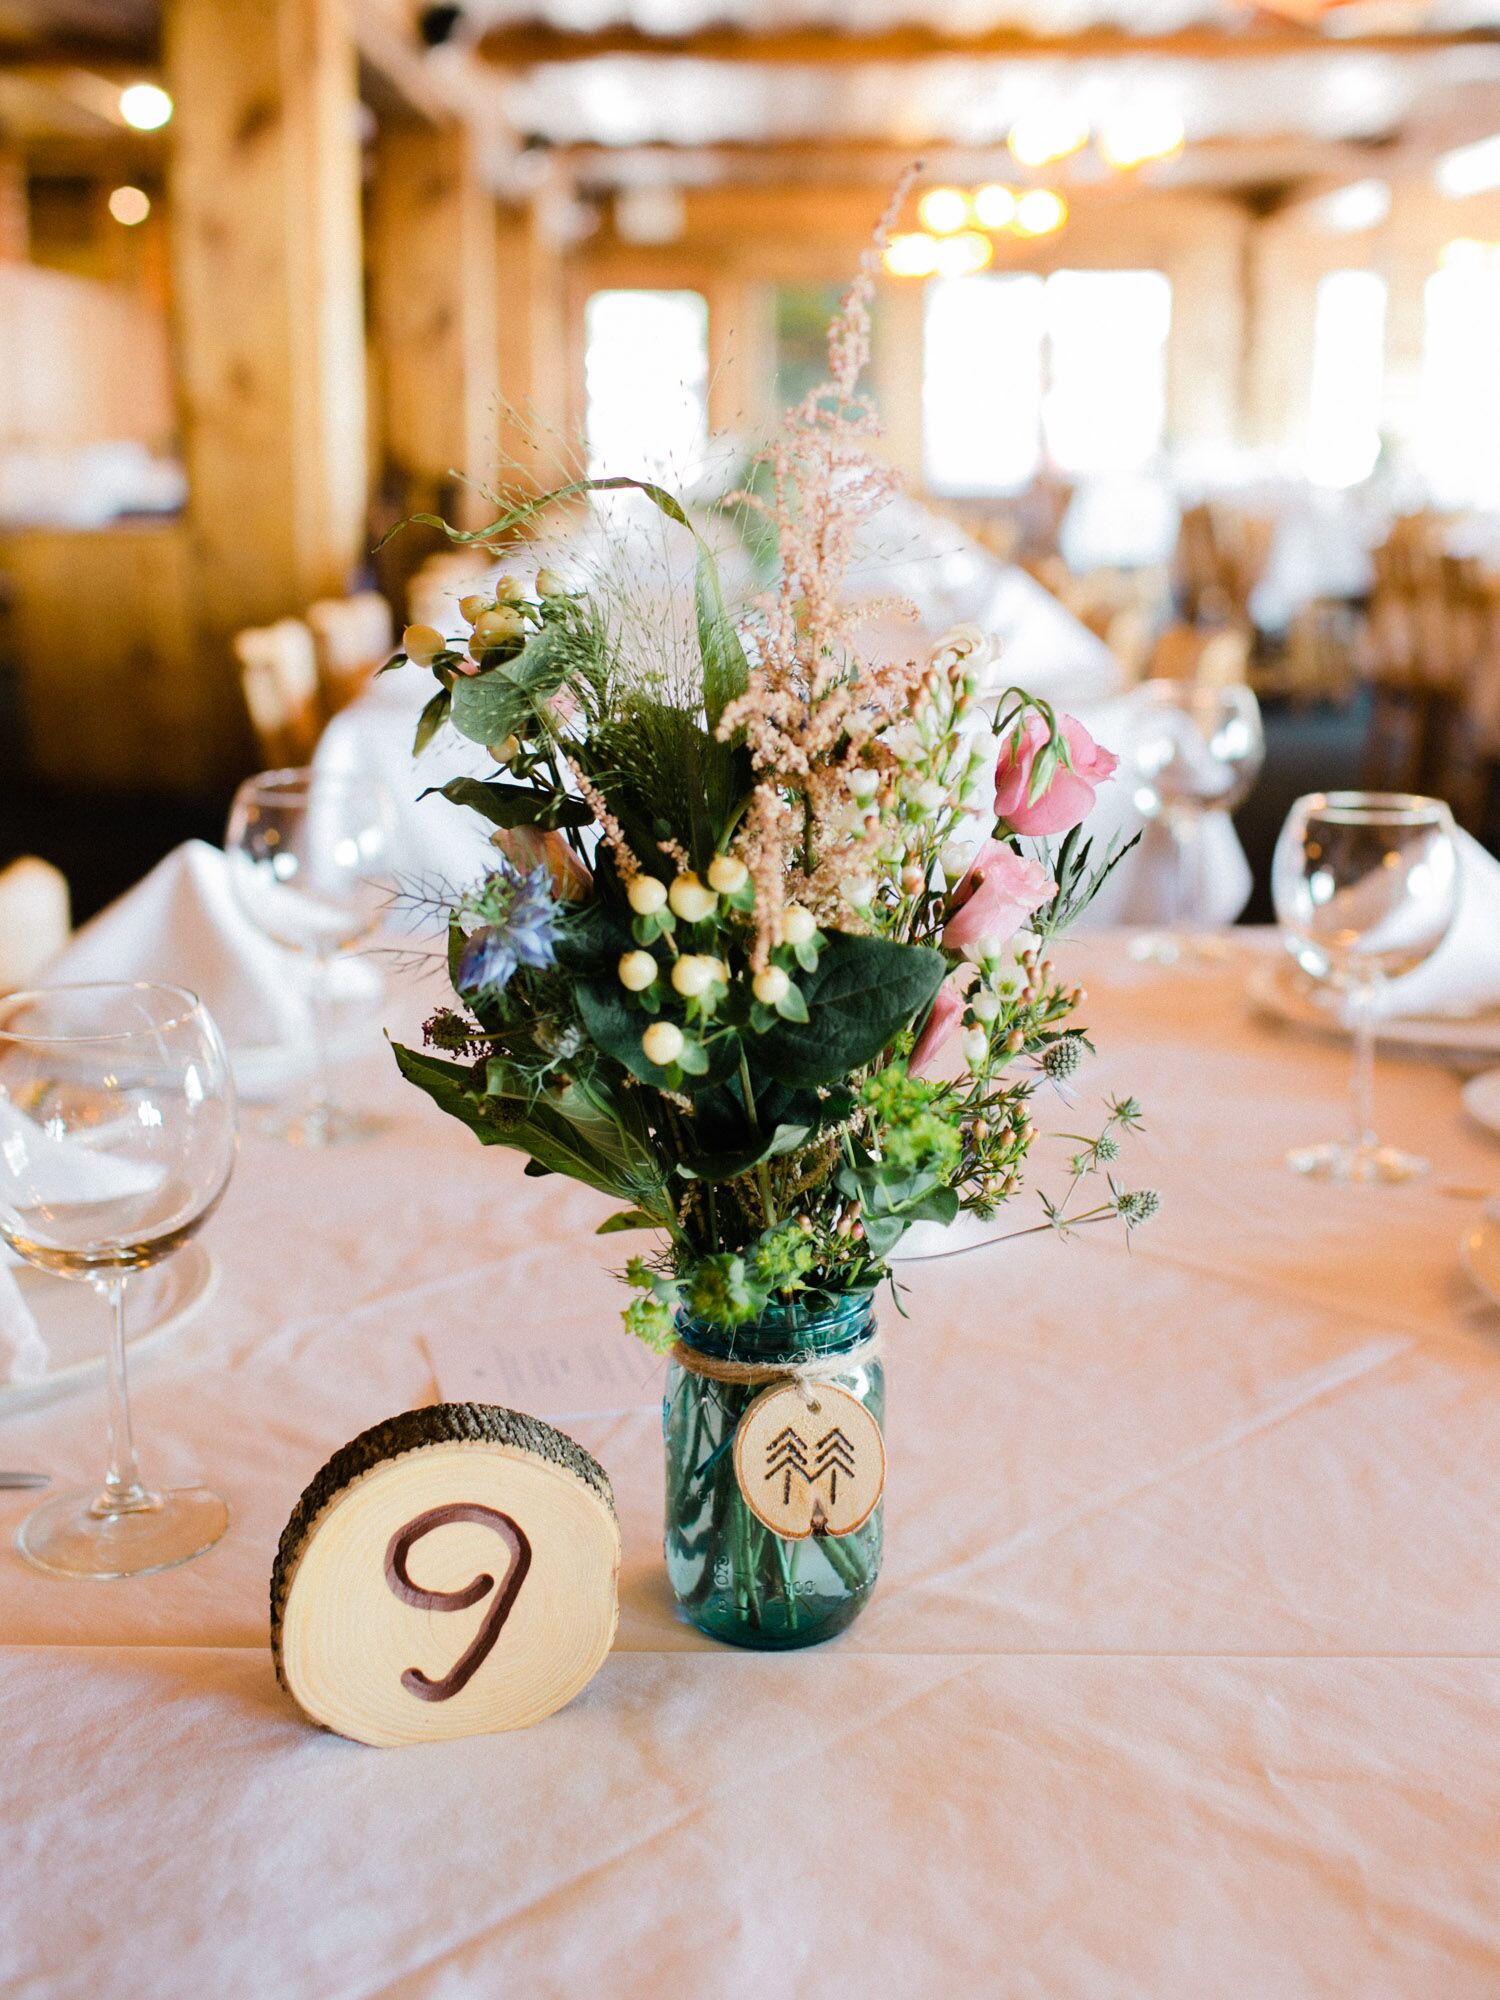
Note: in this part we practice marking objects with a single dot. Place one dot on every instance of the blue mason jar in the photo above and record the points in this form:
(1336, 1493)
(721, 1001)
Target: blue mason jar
(733, 1576)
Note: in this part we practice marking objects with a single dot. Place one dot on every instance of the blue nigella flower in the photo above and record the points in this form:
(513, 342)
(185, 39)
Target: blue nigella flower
(519, 927)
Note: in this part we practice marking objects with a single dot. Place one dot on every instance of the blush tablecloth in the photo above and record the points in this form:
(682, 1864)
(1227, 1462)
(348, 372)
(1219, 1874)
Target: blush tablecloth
(1181, 1680)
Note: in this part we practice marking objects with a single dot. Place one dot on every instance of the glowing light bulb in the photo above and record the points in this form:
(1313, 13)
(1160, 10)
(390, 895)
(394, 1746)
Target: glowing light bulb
(913, 255)
(944, 210)
(1040, 211)
(961, 256)
(1133, 137)
(129, 205)
(1041, 136)
(994, 206)
(146, 106)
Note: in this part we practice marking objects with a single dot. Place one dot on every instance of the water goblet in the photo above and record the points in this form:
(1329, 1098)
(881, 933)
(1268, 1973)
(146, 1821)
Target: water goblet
(117, 1136)
(1366, 886)
(312, 855)
(1195, 749)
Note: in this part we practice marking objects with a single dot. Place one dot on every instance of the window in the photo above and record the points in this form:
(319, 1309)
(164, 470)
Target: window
(1014, 365)
(646, 372)
(1458, 423)
(1348, 371)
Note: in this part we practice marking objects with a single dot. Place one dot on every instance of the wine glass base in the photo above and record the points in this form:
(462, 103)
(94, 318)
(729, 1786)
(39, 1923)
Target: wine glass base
(65, 1536)
(1338, 1160)
(327, 1125)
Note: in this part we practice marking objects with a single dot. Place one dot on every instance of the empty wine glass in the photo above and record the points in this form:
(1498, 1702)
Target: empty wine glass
(1195, 749)
(1366, 885)
(117, 1138)
(312, 855)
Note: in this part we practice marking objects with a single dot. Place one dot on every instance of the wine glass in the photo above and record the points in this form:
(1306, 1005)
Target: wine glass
(117, 1137)
(311, 858)
(1196, 749)
(1366, 885)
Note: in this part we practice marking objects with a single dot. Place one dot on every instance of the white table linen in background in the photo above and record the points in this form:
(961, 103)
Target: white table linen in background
(1180, 1681)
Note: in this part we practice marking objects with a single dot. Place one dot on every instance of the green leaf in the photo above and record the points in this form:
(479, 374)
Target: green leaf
(513, 805)
(693, 1060)
(627, 1218)
(431, 720)
(729, 1166)
(502, 701)
(791, 1006)
(863, 993)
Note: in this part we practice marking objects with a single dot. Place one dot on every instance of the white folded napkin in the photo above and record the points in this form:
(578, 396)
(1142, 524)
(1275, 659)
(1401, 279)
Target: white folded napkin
(1462, 978)
(182, 925)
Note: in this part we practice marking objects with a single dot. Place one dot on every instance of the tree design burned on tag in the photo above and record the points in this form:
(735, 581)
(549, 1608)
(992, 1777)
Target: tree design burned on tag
(809, 1462)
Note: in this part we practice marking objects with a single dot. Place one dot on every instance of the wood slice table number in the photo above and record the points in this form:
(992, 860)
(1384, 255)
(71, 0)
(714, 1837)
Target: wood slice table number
(451, 1572)
(809, 1463)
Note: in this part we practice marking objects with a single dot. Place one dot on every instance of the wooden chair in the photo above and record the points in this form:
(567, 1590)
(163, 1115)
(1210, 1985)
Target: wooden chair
(353, 637)
(35, 920)
(1218, 656)
(279, 673)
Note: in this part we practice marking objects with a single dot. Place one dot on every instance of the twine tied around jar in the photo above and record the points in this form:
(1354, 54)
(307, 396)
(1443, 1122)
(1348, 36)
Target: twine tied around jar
(802, 1372)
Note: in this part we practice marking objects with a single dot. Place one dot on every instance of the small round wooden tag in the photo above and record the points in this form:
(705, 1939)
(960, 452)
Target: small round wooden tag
(450, 1572)
(809, 1467)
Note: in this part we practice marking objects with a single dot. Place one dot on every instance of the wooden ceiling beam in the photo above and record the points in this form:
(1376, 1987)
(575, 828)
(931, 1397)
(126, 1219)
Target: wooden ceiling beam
(526, 46)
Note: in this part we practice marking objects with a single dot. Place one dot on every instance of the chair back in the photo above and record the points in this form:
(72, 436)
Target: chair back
(35, 920)
(352, 638)
(279, 674)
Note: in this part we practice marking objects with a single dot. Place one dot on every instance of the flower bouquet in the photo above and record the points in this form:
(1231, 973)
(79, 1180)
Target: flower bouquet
(746, 893)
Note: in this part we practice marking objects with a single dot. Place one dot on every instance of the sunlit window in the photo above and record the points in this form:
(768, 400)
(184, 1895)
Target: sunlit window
(982, 383)
(646, 371)
(1105, 409)
(1458, 435)
(1348, 370)
(1017, 368)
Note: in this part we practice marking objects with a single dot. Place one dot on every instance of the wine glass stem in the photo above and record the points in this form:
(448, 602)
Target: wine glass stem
(320, 1100)
(1362, 1081)
(123, 1492)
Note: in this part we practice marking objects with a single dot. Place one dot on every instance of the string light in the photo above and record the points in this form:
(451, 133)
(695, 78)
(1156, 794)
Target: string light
(961, 256)
(1042, 136)
(129, 206)
(994, 206)
(944, 210)
(1039, 212)
(913, 255)
(1131, 138)
(145, 106)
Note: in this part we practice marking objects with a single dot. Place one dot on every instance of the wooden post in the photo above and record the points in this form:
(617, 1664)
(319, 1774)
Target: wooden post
(264, 199)
(542, 419)
(433, 297)
(15, 231)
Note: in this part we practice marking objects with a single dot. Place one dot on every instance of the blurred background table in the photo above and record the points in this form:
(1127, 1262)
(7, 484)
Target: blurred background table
(1180, 1679)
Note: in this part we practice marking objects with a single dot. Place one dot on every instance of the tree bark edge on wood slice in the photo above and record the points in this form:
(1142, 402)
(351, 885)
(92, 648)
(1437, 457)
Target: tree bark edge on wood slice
(457, 1508)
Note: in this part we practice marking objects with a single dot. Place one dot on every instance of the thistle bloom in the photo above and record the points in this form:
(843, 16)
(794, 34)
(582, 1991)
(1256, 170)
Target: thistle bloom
(1069, 797)
(519, 927)
(996, 897)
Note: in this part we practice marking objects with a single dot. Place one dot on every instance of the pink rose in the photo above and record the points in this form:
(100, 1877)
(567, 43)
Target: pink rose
(947, 1010)
(996, 897)
(1070, 796)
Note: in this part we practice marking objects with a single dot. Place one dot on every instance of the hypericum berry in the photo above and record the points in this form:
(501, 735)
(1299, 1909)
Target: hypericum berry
(637, 971)
(662, 1043)
(798, 926)
(691, 899)
(472, 608)
(509, 590)
(504, 752)
(770, 986)
(646, 895)
(728, 874)
(550, 584)
(693, 974)
(422, 644)
(500, 626)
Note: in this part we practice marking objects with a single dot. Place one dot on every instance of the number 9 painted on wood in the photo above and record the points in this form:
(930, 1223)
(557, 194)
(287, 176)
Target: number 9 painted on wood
(451, 1572)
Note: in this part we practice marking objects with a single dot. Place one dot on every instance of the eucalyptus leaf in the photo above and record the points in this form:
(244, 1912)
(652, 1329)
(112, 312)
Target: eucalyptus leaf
(502, 701)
